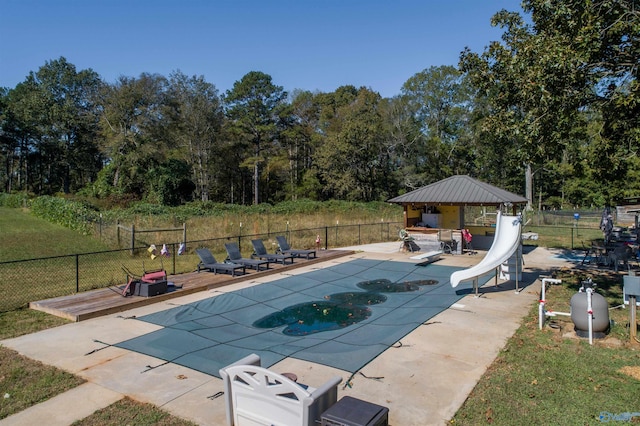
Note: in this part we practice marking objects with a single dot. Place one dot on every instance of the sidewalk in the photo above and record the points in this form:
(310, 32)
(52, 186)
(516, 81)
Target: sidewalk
(422, 382)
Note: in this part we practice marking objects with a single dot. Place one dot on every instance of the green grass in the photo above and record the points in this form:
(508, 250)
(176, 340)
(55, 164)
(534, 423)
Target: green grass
(563, 236)
(25, 321)
(25, 382)
(130, 412)
(25, 236)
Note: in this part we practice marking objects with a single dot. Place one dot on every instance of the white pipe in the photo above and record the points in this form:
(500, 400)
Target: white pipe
(590, 312)
(542, 314)
(555, 314)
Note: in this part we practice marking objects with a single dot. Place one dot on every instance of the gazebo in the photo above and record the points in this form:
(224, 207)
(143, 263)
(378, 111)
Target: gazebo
(440, 205)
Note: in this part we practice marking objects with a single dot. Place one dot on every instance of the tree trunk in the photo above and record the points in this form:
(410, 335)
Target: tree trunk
(256, 178)
(529, 187)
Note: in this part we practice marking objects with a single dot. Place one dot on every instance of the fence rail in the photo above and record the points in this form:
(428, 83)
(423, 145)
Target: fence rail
(24, 281)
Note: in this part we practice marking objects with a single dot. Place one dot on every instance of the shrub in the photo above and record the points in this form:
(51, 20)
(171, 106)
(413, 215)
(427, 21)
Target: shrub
(70, 214)
(14, 200)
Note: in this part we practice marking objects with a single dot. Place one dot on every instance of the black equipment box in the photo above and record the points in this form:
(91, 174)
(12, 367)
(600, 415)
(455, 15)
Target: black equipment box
(355, 412)
(150, 289)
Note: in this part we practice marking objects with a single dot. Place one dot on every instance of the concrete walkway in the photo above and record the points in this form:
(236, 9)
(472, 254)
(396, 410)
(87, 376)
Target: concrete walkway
(423, 381)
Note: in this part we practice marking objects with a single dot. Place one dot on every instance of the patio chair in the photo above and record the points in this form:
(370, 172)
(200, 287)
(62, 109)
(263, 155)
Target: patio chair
(257, 396)
(447, 243)
(207, 261)
(408, 242)
(619, 254)
(260, 252)
(234, 255)
(285, 248)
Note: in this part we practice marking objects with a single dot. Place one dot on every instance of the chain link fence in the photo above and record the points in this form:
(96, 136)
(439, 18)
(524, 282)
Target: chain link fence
(24, 281)
(29, 280)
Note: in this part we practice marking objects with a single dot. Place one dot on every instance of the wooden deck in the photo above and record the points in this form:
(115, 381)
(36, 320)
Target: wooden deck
(96, 303)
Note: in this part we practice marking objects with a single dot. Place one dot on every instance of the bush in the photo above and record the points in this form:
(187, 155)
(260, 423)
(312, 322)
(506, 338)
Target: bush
(14, 200)
(70, 214)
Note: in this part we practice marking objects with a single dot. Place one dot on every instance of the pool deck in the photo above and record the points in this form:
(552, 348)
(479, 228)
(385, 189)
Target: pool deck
(423, 381)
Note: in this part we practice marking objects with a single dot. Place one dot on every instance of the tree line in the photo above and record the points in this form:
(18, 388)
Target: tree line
(551, 110)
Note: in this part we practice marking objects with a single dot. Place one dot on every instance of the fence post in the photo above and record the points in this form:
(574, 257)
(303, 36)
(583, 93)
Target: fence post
(571, 238)
(359, 241)
(133, 237)
(184, 232)
(118, 232)
(326, 238)
(174, 255)
(77, 273)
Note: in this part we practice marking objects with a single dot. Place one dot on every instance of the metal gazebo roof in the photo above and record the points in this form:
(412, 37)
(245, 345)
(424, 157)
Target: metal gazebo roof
(460, 190)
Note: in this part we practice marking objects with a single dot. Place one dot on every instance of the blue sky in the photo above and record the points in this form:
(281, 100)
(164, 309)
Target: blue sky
(304, 44)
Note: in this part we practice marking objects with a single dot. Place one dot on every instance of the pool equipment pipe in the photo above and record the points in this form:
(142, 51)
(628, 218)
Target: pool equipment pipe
(542, 313)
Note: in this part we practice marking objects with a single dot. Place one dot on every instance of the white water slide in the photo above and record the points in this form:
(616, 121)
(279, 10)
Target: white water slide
(505, 243)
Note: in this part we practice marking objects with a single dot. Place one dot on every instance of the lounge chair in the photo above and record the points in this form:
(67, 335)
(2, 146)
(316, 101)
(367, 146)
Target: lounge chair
(207, 261)
(234, 255)
(286, 249)
(260, 252)
(258, 396)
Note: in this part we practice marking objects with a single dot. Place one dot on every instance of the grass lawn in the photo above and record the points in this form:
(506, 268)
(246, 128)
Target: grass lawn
(130, 412)
(25, 382)
(25, 236)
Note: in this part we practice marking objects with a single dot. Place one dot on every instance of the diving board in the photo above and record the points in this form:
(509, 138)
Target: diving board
(429, 257)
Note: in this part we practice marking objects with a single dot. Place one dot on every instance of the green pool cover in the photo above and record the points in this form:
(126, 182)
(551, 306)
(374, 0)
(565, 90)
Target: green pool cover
(323, 324)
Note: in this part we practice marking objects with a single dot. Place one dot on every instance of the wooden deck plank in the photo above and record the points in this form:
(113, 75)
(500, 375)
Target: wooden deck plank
(106, 301)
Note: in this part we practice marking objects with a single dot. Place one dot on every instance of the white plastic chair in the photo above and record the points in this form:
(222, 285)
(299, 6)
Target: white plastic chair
(258, 396)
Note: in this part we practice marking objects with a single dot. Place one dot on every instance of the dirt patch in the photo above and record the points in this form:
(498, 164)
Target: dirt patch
(633, 371)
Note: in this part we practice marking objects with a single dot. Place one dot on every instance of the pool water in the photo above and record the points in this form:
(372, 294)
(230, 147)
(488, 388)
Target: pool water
(338, 310)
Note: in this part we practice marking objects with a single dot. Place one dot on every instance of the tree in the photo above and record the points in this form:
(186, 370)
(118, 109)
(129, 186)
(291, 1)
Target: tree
(440, 99)
(70, 100)
(49, 124)
(131, 128)
(253, 107)
(17, 137)
(534, 87)
(353, 161)
(575, 62)
(405, 145)
(300, 138)
(195, 113)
